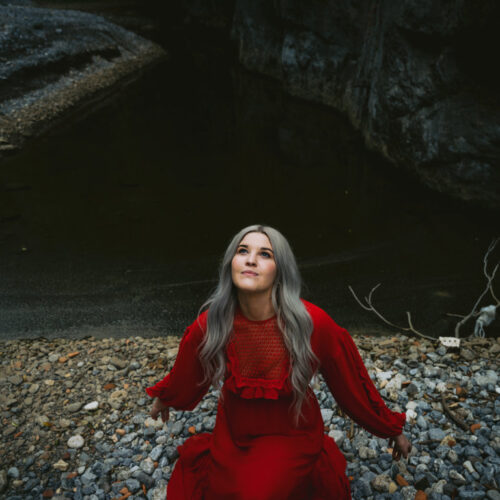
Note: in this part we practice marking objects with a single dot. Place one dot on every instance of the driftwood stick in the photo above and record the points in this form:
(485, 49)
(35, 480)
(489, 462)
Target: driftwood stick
(371, 307)
(453, 417)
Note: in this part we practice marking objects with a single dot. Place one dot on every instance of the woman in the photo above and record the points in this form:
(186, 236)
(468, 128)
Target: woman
(264, 343)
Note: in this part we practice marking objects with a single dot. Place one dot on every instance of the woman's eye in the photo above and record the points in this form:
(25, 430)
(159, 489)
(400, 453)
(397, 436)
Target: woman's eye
(266, 254)
(242, 250)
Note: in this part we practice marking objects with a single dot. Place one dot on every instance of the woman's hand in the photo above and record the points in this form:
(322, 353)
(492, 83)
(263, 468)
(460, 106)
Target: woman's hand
(159, 408)
(401, 446)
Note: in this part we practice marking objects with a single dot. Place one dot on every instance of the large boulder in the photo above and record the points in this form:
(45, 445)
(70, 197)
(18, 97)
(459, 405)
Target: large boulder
(415, 77)
(54, 62)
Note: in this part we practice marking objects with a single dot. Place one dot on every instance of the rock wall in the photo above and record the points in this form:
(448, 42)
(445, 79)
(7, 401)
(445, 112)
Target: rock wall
(53, 62)
(413, 76)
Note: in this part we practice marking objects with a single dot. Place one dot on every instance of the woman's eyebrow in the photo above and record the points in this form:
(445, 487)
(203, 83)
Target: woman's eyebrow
(262, 248)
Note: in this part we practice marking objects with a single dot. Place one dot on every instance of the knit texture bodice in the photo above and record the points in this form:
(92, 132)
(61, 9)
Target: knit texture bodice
(258, 360)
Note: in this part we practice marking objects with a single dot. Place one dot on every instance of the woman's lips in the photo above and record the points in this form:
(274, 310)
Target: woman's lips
(249, 273)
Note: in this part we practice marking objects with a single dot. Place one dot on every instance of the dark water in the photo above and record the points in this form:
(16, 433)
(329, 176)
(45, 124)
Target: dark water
(114, 224)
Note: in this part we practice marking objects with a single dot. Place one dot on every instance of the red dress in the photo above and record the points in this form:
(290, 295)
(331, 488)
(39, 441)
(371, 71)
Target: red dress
(254, 451)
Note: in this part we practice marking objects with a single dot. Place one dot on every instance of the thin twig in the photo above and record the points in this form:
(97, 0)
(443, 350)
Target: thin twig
(490, 278)
(371, 307)
(464, 318)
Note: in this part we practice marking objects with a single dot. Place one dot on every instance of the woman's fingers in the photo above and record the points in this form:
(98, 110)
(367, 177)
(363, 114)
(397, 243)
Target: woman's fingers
(164, 414)
(400, 446)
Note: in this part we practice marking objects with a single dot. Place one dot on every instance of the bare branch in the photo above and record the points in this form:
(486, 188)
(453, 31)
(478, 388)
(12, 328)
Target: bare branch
(358, 301)
(415, 331)
(456, 315)
(371, 307)
(491, 247)
(368, 305)
(490, 278)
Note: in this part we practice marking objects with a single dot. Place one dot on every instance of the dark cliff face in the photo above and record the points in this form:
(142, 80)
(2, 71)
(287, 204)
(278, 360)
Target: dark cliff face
(413, 76)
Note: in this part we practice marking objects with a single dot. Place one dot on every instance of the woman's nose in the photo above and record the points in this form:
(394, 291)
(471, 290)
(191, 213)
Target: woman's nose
(251, 260)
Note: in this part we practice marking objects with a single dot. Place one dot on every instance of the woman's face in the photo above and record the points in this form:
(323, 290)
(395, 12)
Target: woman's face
(253, 266)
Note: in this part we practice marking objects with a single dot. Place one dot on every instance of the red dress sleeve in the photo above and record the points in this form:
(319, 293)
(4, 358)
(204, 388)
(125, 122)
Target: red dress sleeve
(182, 388)
(348, 380)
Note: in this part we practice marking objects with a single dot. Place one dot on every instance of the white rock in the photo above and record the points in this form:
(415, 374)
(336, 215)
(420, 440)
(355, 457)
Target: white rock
(64, 422)
(410, 415)
(327, 415)
(76, 441)
(98, 435)
(381, 482)
(365, 453)
(61, 465)
(91, 406)
(384, 375)
(157, 424)
(42, 419)
(159, 492)
(411, 405)
(338, 436)
(441, 387)
(489, 378)
(469, 467)
(396, 382)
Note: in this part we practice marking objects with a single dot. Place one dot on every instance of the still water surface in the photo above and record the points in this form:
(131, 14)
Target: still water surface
(115, 223)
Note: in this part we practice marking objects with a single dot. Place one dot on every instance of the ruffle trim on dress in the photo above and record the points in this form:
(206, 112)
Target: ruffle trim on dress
(158, 390)
(152, 392)
(255, 389)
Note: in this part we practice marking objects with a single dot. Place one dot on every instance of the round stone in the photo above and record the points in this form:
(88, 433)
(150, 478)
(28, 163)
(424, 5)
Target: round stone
(75, 441)
(91, 406)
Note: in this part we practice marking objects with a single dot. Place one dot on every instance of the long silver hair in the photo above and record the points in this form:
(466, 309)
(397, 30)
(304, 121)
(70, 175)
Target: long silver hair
(293, 319)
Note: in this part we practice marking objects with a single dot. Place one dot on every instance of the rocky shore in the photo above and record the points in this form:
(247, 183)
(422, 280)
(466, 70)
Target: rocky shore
(56, 64)
(75, 420)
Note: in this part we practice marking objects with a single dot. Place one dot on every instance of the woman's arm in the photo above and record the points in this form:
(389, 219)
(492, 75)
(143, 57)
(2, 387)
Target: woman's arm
(348, 380)
(182, 388)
